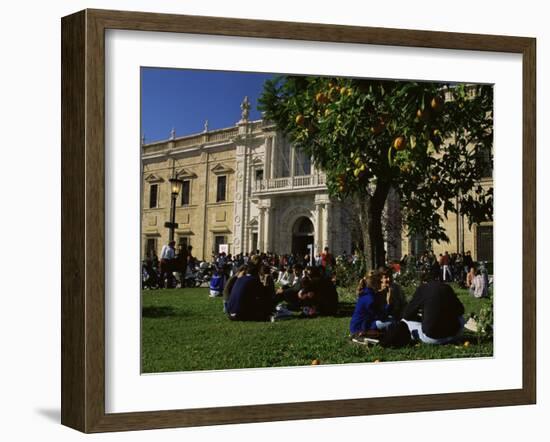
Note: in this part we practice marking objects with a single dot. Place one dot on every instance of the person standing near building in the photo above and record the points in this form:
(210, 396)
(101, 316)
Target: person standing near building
(468, 262)
(167, 256)
(327, 262)
(446, 267)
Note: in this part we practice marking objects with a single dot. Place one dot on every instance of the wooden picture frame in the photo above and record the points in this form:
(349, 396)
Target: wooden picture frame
(83, 220)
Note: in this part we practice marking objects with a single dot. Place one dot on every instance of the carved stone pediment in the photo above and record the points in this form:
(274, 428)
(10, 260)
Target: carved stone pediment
(221, 169)
(185, 174)
(257, 161)
(152, 178)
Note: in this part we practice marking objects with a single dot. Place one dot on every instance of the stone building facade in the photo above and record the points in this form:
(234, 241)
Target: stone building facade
(244, 186)
(248, 188)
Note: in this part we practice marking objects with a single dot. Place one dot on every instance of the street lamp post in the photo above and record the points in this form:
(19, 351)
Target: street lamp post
(175, 186)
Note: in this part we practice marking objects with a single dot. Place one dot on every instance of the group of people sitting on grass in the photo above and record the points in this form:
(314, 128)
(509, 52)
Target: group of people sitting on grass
(433, 316)
(250, 294)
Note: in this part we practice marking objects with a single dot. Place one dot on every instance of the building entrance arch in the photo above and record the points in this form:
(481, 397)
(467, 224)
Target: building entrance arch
(303, 233)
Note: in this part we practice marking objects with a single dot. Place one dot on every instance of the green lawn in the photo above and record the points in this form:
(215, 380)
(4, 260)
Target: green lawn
(186, 330)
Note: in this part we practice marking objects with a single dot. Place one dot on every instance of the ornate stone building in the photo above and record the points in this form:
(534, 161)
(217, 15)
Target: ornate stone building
(244, 186)
(248, 188)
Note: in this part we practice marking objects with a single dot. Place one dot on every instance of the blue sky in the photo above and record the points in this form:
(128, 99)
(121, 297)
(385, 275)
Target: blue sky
(183, 99)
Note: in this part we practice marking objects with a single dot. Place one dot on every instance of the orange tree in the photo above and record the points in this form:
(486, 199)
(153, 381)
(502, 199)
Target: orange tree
(430, 142)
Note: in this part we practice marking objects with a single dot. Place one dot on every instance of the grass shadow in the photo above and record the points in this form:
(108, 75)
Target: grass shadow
(345, 309)
(158, 312)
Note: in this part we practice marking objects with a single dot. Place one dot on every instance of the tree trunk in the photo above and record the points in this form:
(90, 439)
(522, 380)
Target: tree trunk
(370, 210)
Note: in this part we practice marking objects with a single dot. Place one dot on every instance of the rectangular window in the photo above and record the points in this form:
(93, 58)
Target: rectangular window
(484, 243)
(183, 241)
(186, 193)
(218, 240)
(254, 242)
(153, 195)
(221, 189)
(259, 174)
(484, 162)
(150, 246)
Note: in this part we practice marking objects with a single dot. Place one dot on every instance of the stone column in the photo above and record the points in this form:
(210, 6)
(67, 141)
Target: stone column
(267, 158)
(326, 220)
(261, 230)
(292, 163)
(268, 227)
(241, 194)
(318, 228)
(273, 158)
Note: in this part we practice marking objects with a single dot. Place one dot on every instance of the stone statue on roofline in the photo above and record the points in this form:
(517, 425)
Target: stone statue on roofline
(245, 108)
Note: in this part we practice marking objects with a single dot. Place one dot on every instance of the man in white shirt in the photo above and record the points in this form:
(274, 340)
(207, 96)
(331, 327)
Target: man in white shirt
(167, 255)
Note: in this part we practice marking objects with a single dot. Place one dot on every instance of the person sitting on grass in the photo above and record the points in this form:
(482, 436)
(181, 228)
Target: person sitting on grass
(441, 310)
(470, 276)
(326, 296)
(216, 283)
(241, 271)
(286, 278)
(248, 300)
(395, 299)
(478, 286)
(298, 270)
(369, 313)
(296, 298)
(267, 280)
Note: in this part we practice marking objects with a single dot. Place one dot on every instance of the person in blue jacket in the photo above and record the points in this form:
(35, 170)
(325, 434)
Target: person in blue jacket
(371, 309)
(217, 283)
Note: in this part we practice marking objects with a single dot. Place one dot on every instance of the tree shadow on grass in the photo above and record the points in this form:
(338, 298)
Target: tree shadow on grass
(158, 312)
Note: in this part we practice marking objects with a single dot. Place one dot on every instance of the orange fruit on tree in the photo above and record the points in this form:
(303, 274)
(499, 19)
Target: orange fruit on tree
(300, 120)
(400, 143)
(436, 103)
(320, 97)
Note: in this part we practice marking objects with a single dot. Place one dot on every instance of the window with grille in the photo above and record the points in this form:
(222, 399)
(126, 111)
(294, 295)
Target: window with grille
(186, 193)
(484, 243)
(150, 246)
(221, 189)
(218, 240)
(153, 196)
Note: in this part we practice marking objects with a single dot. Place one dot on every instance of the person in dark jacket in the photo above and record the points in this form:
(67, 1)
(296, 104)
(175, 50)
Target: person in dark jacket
(441, 312)
(326, 296)
(248, 300)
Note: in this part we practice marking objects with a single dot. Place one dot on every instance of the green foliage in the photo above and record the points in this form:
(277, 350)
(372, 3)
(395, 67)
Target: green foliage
(186, 330)
(485, 319)
(408, 279)
(432, 151)
(348, 274)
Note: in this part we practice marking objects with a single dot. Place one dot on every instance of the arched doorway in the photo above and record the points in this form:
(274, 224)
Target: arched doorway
(302, 236)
